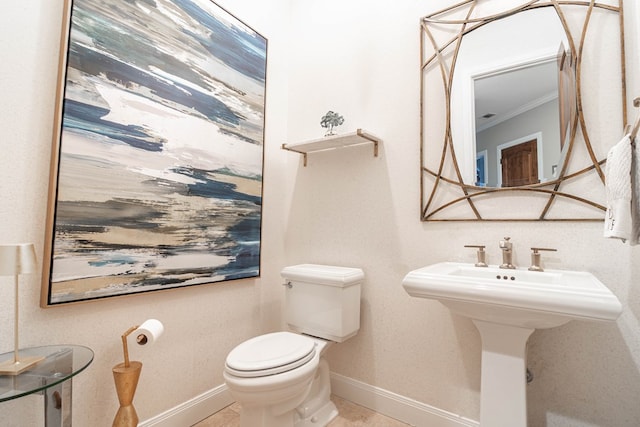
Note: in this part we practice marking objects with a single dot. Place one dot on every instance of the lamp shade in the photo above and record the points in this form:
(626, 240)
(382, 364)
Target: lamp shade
(17, 259)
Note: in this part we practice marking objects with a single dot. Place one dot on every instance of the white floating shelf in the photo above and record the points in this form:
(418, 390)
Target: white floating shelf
(332, 142)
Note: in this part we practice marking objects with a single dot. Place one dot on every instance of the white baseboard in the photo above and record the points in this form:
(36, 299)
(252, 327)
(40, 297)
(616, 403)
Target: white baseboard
(193, 410)
(393, 405)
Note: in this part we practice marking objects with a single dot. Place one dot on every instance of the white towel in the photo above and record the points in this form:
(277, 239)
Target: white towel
(635, 192)
(618, 222)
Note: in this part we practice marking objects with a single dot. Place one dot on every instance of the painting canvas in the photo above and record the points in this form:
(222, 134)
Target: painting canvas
(157, 161)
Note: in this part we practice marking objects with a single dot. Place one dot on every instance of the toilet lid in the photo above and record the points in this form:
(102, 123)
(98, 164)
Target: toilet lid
(270, 354)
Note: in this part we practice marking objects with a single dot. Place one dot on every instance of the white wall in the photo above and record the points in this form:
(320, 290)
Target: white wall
(360, 58)
(203, 323)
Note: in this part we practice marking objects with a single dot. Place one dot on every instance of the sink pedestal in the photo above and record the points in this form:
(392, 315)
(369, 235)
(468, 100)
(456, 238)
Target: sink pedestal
(503, 393)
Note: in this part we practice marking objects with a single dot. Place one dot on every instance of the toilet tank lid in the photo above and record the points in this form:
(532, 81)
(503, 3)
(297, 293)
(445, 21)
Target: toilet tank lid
(323, 274)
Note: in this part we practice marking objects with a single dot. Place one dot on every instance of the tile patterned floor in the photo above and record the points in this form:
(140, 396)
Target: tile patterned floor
(351, 415)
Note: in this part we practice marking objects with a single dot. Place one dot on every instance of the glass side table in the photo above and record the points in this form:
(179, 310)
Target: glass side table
(50, 377)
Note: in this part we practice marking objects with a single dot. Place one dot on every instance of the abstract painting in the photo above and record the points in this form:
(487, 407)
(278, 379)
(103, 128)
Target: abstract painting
(158, 154)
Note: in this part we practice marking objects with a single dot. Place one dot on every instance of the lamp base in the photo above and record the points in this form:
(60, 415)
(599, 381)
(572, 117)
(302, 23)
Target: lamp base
(10, 367)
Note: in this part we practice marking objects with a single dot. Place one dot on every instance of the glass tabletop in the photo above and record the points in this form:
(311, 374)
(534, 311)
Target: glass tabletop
(61, 362)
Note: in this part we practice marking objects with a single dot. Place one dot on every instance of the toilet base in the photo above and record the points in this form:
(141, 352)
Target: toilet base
(318, 409)
(321, 417)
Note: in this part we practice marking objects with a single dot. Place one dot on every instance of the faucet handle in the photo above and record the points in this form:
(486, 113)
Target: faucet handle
(482, 255)
(506, 244)
(535, 258)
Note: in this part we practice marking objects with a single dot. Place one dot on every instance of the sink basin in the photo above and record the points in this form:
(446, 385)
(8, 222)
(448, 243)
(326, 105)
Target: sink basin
(506, 306)
(520, 297)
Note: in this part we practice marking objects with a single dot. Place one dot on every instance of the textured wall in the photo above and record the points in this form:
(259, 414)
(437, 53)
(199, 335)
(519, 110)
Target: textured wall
(188, 360)
(359, 58)
(352, 209)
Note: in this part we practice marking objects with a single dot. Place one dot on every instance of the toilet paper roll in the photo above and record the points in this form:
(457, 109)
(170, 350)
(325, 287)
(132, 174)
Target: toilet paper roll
(149, 332)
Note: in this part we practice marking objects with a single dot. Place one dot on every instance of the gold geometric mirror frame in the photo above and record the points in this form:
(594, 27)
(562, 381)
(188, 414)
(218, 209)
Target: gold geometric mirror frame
(576, 192)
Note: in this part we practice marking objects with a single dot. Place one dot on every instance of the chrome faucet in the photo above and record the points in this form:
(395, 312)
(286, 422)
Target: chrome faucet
(507, 253)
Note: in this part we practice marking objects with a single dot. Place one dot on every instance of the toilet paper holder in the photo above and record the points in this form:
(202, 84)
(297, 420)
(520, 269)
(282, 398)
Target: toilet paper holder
(126, 374)
(149, 331)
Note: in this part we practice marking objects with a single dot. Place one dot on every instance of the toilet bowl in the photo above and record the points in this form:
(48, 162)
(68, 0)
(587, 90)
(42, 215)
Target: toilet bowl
(281, 379)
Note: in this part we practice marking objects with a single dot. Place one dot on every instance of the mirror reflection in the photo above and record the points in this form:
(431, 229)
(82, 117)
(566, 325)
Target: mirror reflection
(521, 90)
(522, 120)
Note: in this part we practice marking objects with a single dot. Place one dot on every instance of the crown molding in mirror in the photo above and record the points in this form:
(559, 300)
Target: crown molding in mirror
(576, 193)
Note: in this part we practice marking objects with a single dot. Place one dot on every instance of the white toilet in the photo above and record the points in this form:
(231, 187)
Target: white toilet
(281, 379)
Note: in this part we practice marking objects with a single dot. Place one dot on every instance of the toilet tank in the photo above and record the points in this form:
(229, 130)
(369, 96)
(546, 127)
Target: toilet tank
(323, 300)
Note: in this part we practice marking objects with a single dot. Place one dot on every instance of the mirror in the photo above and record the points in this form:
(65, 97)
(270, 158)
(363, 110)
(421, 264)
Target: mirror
(514, 125)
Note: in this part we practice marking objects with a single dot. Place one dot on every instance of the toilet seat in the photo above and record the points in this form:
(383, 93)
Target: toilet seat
(270, 354)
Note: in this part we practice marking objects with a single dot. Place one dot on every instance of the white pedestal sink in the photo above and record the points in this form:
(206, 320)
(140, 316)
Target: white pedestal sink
(507, 306)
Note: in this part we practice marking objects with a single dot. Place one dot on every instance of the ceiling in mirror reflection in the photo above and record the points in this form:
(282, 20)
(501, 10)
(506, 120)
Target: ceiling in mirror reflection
(504, 95)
